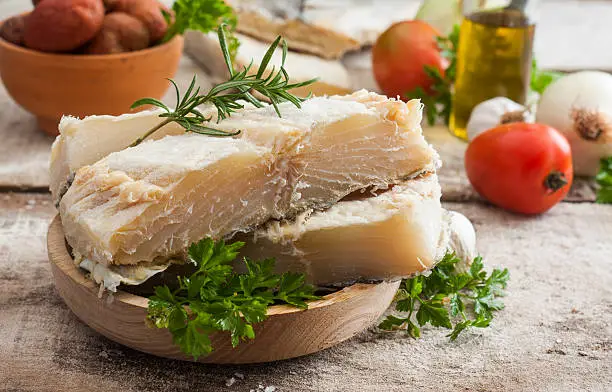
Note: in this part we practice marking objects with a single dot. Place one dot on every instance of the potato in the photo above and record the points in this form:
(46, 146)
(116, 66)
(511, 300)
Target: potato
(63, 25)
(148, 11)
(12, 29)
(120, 32)
(110, 5)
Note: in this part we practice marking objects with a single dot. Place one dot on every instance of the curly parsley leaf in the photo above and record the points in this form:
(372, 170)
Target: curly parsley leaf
(433, 312)
(201, 15)
(604, 181)
(438, 103)
(216, 298)
(448, 295)
(541, 79)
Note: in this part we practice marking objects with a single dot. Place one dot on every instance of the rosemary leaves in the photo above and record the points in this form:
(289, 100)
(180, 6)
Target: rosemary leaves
(229, 96)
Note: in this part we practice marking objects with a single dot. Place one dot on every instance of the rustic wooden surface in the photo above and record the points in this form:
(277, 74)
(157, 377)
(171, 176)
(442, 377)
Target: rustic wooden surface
(554, 335)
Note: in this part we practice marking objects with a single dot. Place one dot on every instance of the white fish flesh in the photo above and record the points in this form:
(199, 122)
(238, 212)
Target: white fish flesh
(398, 233)
(154, 199)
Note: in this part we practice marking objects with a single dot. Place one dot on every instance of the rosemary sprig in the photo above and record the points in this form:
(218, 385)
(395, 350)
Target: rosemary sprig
(226, 96)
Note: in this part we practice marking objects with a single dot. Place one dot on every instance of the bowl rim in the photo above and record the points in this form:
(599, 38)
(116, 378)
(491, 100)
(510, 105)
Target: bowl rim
(60, 257)
(85, 57)
(286, 333)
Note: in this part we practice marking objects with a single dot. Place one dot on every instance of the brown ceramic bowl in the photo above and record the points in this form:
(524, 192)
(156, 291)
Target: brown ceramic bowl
(52, 85)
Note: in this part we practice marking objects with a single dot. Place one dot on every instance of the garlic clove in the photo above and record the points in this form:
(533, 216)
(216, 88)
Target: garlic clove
(462, 239)
(493, 112)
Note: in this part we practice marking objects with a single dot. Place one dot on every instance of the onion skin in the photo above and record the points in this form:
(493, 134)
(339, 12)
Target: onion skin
(579, 105)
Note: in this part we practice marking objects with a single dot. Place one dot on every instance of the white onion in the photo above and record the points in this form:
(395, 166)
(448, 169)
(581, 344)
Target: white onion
(579, 105)
(493, 112)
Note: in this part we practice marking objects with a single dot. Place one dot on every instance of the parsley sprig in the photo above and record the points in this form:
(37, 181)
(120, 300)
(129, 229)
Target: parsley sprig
(199, 15)
(228, 96)
(448, 295)
(541, 79)
(604, 181)
(215, 298)
(438, 104)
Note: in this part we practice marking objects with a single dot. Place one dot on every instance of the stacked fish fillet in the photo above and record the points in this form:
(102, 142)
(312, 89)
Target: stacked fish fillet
(343, 189)
(324, 40)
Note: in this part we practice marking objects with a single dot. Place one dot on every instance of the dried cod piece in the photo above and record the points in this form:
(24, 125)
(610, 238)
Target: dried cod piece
(267, 19)
(326, 28)
(156, 198)
(83, 142)
(333, 77)
(110, 277)
(398, 233)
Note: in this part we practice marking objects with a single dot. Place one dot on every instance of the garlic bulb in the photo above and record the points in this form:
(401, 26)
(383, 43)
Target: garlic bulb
(579, 105)
(493, 112)
(462, 239)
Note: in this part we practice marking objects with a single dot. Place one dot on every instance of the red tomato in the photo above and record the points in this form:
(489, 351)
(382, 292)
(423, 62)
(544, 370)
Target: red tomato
(401, 52)
(521, 167)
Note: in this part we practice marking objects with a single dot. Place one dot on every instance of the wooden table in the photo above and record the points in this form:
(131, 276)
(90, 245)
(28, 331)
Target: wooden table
(554, 335)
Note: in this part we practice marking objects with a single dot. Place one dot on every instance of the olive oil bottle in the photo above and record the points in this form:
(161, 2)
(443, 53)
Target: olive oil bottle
(493, 59)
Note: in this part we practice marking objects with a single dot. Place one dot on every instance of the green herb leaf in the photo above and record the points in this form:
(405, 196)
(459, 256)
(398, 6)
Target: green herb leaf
(477, 269)
(434, 313)
(392, 322)
(438, 103)
(541, 79)
(199, 15)
(216, 298)
(275, 86)
(456, 305)
(449, 296)
(459, 327)
(604, 181)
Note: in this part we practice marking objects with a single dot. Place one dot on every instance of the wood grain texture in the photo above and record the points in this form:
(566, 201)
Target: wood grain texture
(554, 334)
(287, 333)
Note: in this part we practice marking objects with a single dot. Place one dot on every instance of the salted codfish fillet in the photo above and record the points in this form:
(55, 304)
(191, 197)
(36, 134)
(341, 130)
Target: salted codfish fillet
(332, 77)
(340, 144)
(267, 19)
(326, 28)
(398, 233)
(131, 205)
(155, 199)
(83, 142)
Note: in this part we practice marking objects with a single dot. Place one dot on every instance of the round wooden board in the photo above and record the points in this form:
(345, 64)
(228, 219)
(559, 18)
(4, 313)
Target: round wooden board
(287, 333)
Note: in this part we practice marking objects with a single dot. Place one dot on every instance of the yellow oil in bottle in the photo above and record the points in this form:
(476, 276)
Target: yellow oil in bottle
(493, 59)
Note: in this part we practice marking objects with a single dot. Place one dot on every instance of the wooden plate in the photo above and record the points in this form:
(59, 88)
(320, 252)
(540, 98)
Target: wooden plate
(287, 333)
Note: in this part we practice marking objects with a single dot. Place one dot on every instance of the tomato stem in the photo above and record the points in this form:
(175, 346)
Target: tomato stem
(555, 181)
